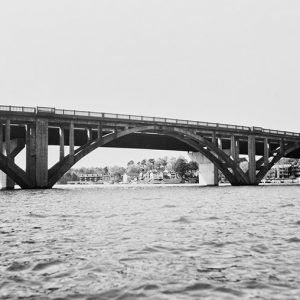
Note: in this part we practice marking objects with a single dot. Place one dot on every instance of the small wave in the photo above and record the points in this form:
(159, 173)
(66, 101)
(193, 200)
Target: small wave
(33, 215)
(18, 266)
(215, 244)
(253, 284)
(213, 218)
(293, 240)
(260, 248)
(147, 287)
(148, 249)
(215, 269)
(109, 294)
(130, 259)
(98, 270)
(168, 206)
(16, 278)
(148, 199)
(64, 274)
(218, 243)
(298, 223)
(28, 242)
(229, 291)
(287, 205)
(136, 214)
(67, 216)
(110, 216)
(182, 220)
(198, 286)
(45, 265)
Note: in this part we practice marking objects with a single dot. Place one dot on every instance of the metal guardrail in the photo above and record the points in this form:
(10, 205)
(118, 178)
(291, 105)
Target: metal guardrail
(22, 109)
(66, 112)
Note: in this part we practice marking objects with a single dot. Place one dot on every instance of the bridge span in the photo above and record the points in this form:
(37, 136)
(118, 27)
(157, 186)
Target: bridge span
(82, 131)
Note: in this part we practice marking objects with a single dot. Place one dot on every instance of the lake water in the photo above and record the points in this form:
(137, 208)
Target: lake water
(162, 242)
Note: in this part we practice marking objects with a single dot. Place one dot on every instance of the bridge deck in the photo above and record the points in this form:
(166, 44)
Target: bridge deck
(20, 116)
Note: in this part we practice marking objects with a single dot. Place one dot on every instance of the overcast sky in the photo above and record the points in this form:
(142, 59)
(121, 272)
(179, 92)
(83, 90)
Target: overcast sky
(223, 61)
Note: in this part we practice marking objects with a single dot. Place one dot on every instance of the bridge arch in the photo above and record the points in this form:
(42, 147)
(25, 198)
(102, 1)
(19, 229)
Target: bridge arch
(220, 159)
(10, 168)
(15, 172)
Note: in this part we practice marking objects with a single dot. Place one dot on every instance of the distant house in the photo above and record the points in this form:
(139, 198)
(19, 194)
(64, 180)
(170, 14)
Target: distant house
(283, 171)
(173, 175)
(152, 175)
(295, 169)
(90, 177)
(107, 178)
(125, 178)
(160, 175)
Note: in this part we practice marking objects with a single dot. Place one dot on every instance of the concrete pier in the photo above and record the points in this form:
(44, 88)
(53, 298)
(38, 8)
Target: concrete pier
(31, 151)
(234, 149)
(207, 173)
(252, 161)
(216, 171)
(266, 152)
(61, 143)
(41, 153)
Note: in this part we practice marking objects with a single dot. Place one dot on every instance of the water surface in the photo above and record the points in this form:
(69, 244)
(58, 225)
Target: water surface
(162, 242)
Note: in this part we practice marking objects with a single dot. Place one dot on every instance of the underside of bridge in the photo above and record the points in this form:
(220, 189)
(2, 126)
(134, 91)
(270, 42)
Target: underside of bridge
(223, 149)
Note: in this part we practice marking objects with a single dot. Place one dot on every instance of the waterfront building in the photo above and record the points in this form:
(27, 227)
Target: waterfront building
(295, 170)
(107, 178)
(283, 171)
(90, 177)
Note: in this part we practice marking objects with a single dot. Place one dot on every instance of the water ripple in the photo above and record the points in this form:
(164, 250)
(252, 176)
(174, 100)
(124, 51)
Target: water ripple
(150, 242)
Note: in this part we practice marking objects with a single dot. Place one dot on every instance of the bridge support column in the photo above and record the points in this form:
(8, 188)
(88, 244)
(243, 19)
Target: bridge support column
(252, 161)
(216, 171)
(7, 139)
(2, 174)
(71, 142)
(90, 134)
(5, 181)
(281, 146)
(207, 173)
(61, 143)
(31, 152)
(41, 153)
(266, 152)
(234, 149)
(99, 131)
(1, 138)
(8, 184)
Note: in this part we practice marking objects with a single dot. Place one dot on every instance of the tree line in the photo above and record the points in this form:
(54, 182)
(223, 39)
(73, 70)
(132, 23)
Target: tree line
(172, 164)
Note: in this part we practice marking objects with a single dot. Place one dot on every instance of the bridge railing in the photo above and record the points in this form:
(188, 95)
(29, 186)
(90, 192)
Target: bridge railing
(280, 132)
(67, 112)
(21, 109)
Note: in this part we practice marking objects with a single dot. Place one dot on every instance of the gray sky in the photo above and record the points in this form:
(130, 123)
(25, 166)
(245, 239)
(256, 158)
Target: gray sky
(222, 61)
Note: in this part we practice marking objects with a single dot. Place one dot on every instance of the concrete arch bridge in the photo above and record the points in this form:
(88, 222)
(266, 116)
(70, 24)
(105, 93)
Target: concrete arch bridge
(215, 146)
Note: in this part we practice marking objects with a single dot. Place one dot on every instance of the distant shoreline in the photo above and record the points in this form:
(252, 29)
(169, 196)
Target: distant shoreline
(71, 186)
